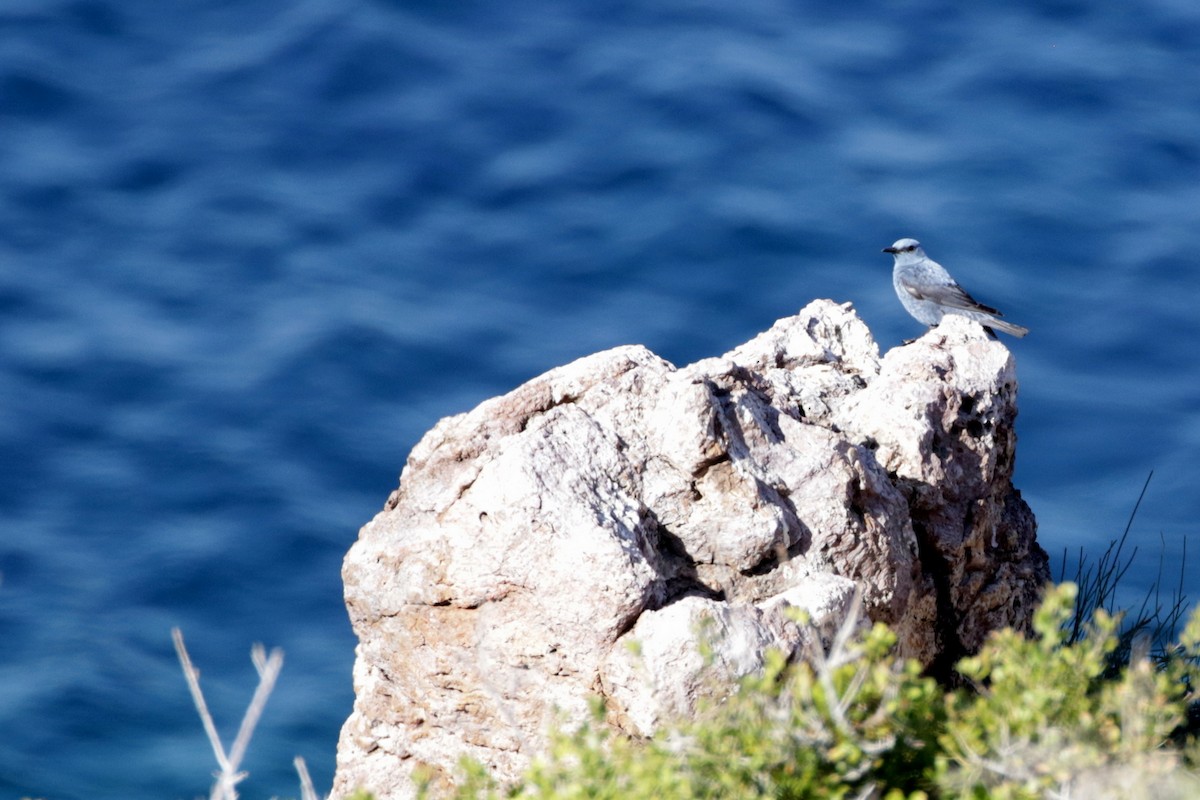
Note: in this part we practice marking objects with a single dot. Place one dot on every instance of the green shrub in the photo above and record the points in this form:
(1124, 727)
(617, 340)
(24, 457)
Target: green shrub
(1045, 717)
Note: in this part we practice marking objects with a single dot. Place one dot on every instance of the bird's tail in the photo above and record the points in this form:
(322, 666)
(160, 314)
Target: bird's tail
(1008, 327)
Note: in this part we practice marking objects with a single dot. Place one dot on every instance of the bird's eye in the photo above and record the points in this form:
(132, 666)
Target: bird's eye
(910, 248)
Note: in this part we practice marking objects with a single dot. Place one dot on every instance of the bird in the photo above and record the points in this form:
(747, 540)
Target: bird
(928, 292)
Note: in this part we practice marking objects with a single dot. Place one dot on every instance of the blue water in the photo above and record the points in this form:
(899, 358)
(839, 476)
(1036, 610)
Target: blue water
(251, 251)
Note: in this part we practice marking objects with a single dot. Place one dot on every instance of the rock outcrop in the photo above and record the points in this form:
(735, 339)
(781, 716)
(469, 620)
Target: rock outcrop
(619, 499)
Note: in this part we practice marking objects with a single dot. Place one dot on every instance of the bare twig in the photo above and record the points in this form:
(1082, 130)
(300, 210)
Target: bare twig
(307, 792)
(268, 670)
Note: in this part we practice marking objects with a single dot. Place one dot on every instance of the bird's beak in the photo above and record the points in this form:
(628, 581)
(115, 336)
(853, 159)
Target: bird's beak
(891, 250)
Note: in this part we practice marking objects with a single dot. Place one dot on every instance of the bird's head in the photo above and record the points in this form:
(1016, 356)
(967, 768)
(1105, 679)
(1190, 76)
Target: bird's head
(905, 246)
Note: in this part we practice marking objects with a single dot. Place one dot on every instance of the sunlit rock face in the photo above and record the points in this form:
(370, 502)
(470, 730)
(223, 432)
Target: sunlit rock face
(581, 534)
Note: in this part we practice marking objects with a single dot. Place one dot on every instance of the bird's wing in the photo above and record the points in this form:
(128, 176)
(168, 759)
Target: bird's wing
(950, 295)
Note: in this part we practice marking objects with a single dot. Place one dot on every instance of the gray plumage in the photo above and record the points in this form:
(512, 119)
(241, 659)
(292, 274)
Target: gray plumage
(928, 292)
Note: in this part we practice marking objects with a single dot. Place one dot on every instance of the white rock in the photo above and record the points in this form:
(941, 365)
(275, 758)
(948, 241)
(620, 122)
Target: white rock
(657, 672)
(619, 499)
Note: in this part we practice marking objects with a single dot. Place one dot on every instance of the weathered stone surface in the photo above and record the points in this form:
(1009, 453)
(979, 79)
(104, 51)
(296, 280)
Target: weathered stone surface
(941, 415)
(665, 673)
(619, 499)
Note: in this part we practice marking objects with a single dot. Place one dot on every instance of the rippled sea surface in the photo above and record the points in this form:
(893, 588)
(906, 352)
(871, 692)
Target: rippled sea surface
(251, 251)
